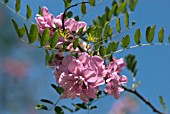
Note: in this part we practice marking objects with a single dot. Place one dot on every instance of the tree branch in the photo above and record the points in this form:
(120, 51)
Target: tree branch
(143, 99)
(68, 9)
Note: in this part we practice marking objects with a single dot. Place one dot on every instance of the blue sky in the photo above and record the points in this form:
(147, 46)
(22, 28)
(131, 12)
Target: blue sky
(153, 61)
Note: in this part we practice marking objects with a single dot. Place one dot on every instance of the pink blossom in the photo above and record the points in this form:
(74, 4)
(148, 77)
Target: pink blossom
(78, 77)
(45, 21)
(114, 83)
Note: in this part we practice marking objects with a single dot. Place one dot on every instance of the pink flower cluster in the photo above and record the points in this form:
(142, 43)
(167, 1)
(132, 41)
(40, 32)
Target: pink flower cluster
(82, 76)
(47, 20)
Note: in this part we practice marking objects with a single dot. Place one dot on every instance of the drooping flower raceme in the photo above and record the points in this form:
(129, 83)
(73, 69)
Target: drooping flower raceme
(113, 80)
(81, 77)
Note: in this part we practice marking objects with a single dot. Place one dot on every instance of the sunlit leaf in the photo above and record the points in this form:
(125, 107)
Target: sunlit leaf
(21, 31)
(92, 2)
(125, 41)
(161, 35)
(114, 46)
(151, 34)
(75, 43)
(138, 36)
(118, 26)
(33, 35)
(15, 26)
(126, 19)
(54, 40)
(40, 11)
(83, 8)
(29, 12)
(17, 6)
(45, 37)
(40, 106)
(132, 4)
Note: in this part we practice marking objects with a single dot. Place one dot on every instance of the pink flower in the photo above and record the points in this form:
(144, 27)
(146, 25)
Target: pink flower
(114, 83)
(79, 78)
(45, 21)
(113, 80)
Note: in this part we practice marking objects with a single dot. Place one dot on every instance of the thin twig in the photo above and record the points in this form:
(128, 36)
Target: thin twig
(140, 45)
(143, 99)
(15, 12)
(68, 9)
(55, 103)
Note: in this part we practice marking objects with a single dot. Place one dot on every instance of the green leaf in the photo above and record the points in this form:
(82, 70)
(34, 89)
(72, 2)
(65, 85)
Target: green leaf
(78, 105)
(76, 18)
(99, 94)
(59, 90)
(15, 26)
(112, 11)
(29, 12)
(69, 1)
(102, 51)
(75, 43)
(45, 37)
(58, 110)
(6, 1)
(17, 6)
(138, 36)
(169, 39)
(121, 8)
(162, 103)
(54, 40)
(80, 32)
(33, 35)
(161, 35)
(67, 108)
(40, 106)
(92, 2)
(93, 107)
(69, 14)
(114, 46)
(21, 31)
(147, 32)
(126, 20)
(46, 101)
(151, 34)
(83, 8)
(125, 41)
(132, 4)
(40, 11)
(118, 26)
(26, 29)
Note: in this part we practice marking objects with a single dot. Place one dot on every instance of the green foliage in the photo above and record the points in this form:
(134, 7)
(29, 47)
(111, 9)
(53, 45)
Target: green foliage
(169, 38)
(58, 89)
(83, 8)
(93, 107)
(33, 35)
(138, 36)
(45, 37)
(29, 12)
(76, 18)
(47, 101)
(126, 20)
(79, 105)
(102, 51)
(17, 6)
(75, 43)
(161, 35)
(132, 4)
(67, 108)
(6, 1)
(163, 103)
(40, 11)
(58, 110)
(69, 14)
(20, 31)
(92, 2)
(41, 107)
(131, 64)
(118, 26)
(67, 3)
(125, 41)
(150, 33)
(54, 40)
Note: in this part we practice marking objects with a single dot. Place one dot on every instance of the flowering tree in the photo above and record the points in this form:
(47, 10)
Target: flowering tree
(82, 55)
